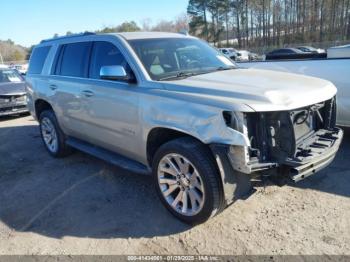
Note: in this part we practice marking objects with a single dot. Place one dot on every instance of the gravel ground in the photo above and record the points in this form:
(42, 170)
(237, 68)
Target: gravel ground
(81, 205)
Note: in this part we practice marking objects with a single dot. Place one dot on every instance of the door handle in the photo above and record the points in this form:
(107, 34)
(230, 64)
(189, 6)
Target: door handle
(53, 87)
(87, 93)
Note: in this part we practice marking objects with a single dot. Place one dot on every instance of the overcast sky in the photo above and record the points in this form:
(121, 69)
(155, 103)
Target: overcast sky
(26, 22)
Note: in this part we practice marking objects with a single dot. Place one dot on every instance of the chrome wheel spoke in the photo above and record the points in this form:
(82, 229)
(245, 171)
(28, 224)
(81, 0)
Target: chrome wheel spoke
(172, 167)
(182, 164)
(170, 190)
(168, 181)
(177, 199)
(195, 178)
(194, 197)
(170, 170)
(184, 201)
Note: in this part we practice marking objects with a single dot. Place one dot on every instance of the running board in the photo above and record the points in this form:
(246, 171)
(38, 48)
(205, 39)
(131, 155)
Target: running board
(109, 156)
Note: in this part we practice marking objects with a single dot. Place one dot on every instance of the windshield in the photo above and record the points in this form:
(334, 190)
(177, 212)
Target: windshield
(172, 58)
(9, 76)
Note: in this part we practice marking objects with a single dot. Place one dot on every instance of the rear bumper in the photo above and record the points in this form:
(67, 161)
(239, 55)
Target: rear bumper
(318, 153)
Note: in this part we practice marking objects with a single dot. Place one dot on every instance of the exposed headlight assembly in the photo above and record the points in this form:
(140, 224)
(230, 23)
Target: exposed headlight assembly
(234, 120)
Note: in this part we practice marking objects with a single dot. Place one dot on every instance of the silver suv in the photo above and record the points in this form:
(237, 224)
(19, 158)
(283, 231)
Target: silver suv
(171, 105)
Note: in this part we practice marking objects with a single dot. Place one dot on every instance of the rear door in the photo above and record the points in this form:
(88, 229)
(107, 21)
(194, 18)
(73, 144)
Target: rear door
(111, 108)
(69, 78)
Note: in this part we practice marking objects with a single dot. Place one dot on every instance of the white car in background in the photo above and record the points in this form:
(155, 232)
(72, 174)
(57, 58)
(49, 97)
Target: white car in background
(243, 55)
(229, 52)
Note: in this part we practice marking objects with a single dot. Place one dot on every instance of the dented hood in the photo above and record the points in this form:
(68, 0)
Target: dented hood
(261, 90)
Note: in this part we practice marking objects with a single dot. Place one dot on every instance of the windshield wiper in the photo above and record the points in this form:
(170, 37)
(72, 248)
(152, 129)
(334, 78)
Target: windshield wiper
(188, 74)
(178, 75)
(221, 68)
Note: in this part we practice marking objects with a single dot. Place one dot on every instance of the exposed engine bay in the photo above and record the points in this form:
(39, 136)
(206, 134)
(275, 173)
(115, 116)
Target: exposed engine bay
(300, 141)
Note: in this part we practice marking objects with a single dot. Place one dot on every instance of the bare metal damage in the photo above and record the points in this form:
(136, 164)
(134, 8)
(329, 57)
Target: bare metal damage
(204, 122)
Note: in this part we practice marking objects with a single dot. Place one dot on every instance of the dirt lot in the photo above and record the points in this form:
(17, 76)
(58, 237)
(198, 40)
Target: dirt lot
(81, 205)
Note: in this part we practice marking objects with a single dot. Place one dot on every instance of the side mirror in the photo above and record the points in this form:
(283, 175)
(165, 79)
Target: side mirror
(115, 72)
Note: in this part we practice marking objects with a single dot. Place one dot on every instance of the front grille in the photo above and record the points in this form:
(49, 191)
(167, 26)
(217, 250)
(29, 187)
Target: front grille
(277, 136)
(6, 100)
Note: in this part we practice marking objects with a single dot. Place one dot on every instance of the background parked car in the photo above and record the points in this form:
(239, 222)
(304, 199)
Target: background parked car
(229, 52)
(243, 55)
(292, 53)
(12, 92)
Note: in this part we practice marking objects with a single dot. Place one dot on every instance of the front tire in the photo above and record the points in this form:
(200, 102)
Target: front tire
(187, 180)
(52, 135)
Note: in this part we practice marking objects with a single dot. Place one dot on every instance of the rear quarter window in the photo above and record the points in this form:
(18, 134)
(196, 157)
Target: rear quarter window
(37, 59)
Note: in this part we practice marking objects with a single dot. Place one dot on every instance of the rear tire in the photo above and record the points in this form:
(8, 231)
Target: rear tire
(52, 135)
(187, 180)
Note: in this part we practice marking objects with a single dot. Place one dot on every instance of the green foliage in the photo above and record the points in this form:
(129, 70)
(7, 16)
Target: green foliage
(124, 27)
(11, 52)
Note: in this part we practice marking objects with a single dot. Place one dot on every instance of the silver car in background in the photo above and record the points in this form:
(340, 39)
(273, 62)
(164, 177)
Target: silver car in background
(12, 92)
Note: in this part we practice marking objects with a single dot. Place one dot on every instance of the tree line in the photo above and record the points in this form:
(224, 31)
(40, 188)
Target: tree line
(240, 23)
(251, 23)
(9, 51)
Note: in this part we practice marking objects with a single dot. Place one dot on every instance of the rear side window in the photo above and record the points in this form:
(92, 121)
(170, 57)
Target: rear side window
(73, 60)
(37, 59)
(105, 54)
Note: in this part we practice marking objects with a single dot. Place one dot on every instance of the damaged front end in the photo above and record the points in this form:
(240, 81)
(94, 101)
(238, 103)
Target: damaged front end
(299, 142)
(296, 143)
(13, 104)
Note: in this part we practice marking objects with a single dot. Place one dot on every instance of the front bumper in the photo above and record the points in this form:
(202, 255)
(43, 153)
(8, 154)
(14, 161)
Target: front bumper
(13, 110)
(312, 155)
(316, 153)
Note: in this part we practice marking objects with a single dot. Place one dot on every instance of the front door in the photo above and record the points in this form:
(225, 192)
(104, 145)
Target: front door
(111, 108)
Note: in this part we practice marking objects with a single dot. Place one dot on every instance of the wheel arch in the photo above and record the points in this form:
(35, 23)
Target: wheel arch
(158, 136)
(40, 106)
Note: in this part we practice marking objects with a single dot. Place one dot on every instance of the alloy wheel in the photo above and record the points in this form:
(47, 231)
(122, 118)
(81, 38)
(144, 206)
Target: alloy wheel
(181, 184)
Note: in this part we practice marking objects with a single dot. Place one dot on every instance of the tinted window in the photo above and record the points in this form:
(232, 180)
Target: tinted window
(37, 59)
(105, 54)
(74, 59)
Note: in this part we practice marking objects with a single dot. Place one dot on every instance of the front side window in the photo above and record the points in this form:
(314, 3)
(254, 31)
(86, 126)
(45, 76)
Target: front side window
(10, 76)
(167, 58)
(37, 59)
(105, 54)
(74, 59)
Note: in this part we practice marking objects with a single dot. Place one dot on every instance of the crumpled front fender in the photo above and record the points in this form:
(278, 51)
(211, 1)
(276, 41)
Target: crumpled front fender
(203, 122)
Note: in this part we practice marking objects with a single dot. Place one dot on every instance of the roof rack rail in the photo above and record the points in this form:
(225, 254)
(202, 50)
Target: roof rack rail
(66, 37)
